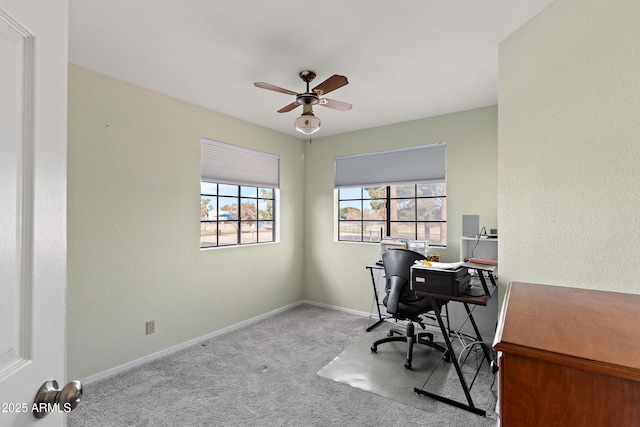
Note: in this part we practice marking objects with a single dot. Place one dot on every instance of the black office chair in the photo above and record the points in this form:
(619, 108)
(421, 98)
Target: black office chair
(403, 304)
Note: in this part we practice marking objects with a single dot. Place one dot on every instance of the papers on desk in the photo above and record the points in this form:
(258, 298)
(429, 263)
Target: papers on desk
(439, 265)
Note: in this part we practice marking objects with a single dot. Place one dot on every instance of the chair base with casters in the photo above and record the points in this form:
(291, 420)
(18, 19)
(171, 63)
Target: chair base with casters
(411, 337)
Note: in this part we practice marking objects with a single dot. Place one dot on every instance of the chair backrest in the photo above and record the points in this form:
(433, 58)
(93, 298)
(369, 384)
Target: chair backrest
(397, 269)
(398, 262)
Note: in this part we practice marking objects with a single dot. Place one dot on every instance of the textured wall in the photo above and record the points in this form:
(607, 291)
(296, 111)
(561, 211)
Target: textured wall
(335, 271)
(569, 150)
(133, 226)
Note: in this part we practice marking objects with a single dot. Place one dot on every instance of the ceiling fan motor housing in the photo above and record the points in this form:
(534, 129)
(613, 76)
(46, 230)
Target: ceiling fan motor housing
(307, 98)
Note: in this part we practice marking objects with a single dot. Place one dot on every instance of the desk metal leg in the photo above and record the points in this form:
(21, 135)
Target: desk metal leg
(484, 281)
(375, 295)
(477, 331)
(454, 359)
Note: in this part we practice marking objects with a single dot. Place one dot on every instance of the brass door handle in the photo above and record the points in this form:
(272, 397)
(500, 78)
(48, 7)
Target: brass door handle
(51, 399)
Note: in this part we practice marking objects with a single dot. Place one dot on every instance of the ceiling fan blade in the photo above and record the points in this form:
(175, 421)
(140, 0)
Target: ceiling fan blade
(288, 107)
(336, 105)
(332, 83)
(268, 86)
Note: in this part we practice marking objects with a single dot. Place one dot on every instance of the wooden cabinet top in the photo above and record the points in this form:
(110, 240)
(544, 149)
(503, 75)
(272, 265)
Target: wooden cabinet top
(598, 331)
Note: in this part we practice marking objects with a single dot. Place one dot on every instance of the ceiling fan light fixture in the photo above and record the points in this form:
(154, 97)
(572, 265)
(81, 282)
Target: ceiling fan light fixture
(307, 124)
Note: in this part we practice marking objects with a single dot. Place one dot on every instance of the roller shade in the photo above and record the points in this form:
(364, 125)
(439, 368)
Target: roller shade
(230, 164)
(426, 163)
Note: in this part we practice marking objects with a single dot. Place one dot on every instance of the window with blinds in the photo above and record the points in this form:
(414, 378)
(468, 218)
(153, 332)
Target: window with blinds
(238, 195)
(398, 193)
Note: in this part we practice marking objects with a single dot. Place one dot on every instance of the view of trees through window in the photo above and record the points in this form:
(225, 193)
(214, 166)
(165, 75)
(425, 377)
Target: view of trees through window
(235, 215)
(411, 211)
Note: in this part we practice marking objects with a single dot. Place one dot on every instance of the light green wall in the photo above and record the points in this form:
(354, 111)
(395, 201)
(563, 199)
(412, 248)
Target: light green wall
(335, 271)
(565, 169)
(133, 190)
(569, 147)
(133, 231)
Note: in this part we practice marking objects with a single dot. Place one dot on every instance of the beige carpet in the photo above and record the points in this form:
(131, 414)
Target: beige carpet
(264, 375)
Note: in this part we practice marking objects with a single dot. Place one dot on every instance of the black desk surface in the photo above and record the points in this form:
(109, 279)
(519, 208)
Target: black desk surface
(481, 300)
(482, 267)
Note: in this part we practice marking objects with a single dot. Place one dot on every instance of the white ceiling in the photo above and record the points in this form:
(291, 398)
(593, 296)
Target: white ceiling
(405, 59)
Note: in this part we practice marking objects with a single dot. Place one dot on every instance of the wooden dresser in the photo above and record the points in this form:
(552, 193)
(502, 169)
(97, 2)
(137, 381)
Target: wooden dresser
(568, 357)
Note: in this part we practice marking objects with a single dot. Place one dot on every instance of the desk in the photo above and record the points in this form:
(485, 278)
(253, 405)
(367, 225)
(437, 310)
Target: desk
(486, 319)
(483, 269)
(379, 269)
(466, 301)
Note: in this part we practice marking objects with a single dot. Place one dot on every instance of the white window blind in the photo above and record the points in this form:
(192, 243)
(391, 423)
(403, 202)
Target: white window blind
(230, 164)
(415, 164)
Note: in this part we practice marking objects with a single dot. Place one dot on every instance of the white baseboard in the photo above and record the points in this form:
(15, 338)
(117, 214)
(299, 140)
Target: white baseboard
(162, 353)
(335, 307)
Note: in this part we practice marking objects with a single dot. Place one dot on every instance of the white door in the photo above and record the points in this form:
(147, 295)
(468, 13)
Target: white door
(33, 121)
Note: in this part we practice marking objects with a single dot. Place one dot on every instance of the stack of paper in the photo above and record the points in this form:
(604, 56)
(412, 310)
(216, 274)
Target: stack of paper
(439, 265)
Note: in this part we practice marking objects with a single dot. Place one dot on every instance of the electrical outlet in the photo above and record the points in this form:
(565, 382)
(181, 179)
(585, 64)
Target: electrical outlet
(151, 327)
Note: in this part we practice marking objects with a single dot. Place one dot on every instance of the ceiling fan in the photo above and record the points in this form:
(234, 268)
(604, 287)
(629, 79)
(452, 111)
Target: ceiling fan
(307, 123)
